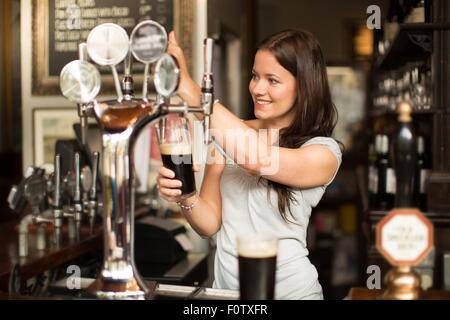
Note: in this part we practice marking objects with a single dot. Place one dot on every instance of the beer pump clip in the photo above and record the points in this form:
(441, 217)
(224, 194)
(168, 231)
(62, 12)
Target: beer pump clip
(148, 41)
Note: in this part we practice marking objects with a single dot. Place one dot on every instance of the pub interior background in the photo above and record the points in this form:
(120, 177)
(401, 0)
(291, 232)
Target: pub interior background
(340, 234)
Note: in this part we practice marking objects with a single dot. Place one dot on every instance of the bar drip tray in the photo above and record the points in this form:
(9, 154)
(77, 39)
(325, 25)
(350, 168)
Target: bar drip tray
(164, 292)
(60, 289)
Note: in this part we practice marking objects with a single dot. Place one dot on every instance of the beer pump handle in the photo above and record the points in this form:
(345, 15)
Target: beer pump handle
(82, 108)
(208, 55)
(57, 191)
(95, 163)
(127, 82)
(207, 96)
(82, 52)
(77, 196)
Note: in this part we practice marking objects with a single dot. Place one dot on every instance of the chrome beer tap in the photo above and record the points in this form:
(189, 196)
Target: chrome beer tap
(35, 189)
(77, 200)
(58, 213)
(121, 120)
(93, 201)
(84, 109)
(207, 97)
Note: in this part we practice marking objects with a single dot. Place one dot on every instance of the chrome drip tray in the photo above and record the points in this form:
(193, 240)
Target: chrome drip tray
(164, 291)
(61, 289)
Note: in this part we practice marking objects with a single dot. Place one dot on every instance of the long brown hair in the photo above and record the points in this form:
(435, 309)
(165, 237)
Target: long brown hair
(299, 52)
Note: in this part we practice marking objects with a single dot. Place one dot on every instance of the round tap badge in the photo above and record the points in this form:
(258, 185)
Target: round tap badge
(79, 81)
(167, 75)
(148, 41)
(107, 44)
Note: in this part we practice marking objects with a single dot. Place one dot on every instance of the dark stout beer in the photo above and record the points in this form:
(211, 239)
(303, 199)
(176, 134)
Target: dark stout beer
(178, 158)
(257, 275)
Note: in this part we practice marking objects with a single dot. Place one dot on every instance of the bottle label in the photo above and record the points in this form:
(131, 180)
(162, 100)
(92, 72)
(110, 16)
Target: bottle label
(424, 174)
(373, 179)
(391, 183)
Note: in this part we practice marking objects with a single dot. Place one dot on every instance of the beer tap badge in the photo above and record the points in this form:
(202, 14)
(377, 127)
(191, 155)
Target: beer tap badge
(107, 44)
(148, 41)
(80, 81)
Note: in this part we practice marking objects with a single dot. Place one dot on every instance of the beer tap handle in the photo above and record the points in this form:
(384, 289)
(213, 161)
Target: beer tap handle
(57, 191)
(77, 195)
(83, 108)
(208, 55)
(117, 83)
(207, 96)
(127, 82)
(145, 81)
(58, 213)
(95, 163)
(82, 52)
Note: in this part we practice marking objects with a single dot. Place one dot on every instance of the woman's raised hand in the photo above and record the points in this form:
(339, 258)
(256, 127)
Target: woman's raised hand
(188, 90)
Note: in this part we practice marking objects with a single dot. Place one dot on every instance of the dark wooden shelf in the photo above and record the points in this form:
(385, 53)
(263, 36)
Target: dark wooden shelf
(387, 112)
(413, 42)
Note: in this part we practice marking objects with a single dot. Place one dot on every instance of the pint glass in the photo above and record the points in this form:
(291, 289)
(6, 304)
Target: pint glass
(257, 264)
(176, 152)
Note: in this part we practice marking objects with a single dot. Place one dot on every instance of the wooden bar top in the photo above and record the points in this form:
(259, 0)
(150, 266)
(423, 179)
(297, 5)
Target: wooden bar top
(39, 261)
(375, 294)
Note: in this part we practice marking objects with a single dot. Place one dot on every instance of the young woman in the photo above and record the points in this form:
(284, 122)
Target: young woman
(290, 92)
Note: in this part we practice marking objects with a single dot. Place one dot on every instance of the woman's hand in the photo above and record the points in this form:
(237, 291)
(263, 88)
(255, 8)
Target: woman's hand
(170, 188)
(188, 90)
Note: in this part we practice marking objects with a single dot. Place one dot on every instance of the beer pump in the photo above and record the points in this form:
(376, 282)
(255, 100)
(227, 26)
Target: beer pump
(120, 122)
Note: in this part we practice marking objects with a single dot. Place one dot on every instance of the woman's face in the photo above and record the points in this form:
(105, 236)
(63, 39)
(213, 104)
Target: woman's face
(273, 88)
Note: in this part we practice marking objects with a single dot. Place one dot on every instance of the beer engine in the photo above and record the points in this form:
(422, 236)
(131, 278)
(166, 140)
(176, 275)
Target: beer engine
(120, 122)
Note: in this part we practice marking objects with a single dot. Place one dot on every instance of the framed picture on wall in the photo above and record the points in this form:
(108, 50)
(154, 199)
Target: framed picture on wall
(49, 125)
(348, 91)
(60, 26)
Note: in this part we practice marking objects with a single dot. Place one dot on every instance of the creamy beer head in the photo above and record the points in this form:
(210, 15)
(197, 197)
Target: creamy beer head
(257, 246)
(175, 148)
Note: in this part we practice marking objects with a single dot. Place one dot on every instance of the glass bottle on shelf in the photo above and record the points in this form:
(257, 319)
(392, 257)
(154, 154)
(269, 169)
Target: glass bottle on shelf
(422, 171)
(373, 171)
(386, 177)
(394, 18)
(405, 157)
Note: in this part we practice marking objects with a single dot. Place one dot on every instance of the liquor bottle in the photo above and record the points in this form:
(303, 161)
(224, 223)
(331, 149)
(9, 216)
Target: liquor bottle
(394, 17)
(372, 173)
(405, 157)
(422, 171)
(386, 177)
(374, 152)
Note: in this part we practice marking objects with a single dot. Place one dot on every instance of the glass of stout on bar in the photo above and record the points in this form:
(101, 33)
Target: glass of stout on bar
(257, 266)
(176, 151)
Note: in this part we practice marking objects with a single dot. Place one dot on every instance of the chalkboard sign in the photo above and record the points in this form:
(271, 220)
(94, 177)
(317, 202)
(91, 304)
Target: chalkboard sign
(60, 25)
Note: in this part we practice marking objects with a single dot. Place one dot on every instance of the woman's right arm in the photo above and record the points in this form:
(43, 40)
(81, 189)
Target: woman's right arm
(206, 216)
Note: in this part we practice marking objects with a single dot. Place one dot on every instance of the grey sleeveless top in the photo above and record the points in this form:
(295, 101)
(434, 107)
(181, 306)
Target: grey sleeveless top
(246, 209)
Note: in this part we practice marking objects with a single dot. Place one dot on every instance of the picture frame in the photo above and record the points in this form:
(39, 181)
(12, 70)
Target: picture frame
(348, 91)
(49, 125)
(45, 77)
